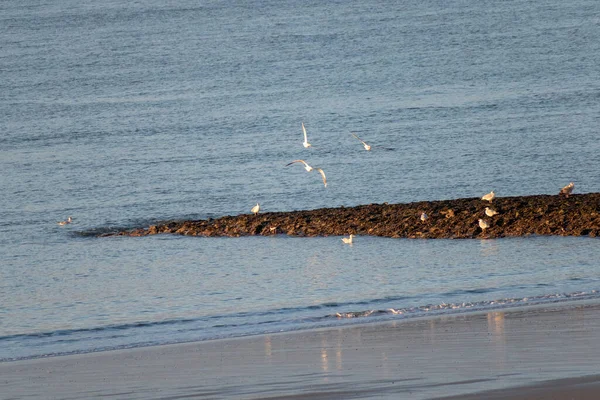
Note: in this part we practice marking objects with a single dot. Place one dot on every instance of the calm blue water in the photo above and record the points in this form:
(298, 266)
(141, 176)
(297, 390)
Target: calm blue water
(122, 114)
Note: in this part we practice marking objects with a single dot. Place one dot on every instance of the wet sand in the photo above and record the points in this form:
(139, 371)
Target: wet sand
(518, 354)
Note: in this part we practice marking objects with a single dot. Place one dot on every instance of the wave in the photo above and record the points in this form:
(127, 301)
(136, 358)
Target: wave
(129, 335)
(184, 321)
(473, 306)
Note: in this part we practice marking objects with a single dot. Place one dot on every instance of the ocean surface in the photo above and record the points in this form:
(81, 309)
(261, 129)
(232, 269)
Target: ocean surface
(123, 114)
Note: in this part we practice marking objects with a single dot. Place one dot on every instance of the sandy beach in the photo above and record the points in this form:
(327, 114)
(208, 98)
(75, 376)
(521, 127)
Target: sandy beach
(522, 353)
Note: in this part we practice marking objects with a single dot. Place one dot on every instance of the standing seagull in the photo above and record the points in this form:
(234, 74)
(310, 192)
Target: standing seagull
(256, 209)
(305, 143)
(348, 240)
(68, 221)
(306, 166)
(423, 217)
(490, 212)
(483, 224)
(489, 197)
(567, 190)
(367, 147)
(323, 176)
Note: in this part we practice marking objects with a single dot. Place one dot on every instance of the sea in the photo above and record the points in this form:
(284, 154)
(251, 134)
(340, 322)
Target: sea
(123, 114)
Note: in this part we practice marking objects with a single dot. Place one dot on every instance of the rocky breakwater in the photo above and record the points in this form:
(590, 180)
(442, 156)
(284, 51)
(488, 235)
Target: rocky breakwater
(575, 215)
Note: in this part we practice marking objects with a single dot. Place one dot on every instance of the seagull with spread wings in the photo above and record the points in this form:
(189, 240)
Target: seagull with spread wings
(308, 168)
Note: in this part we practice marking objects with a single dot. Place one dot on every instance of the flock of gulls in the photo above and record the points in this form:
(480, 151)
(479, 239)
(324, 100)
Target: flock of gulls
(483, 223)
(308, 168)
(256, 209)
(490, 212)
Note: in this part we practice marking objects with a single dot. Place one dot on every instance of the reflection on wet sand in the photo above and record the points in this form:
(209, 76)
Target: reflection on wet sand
(496, 331)
(324, 358)
(495, 321)
(324, 355)
(338, 358)
(324, 361)
(268, 348)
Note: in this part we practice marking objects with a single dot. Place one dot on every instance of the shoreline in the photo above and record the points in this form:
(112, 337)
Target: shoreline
(575, 215)
(430, 357)
(359, 318)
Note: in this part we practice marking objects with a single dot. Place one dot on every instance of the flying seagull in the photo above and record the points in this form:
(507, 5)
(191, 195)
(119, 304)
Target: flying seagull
(489, 197)
(306, 166)
(309, 168)
(348, 240)
(68, 221)
(567, 190)
(305, 143)
(256, 209)
(367, 147)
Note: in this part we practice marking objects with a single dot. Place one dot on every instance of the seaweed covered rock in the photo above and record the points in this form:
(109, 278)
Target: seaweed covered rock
(573, 215)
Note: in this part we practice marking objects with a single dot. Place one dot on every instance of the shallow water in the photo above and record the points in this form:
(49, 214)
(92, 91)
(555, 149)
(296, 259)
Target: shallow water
(122, 115)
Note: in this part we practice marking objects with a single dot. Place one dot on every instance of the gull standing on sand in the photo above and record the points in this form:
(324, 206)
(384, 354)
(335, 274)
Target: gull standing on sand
(567, 190)
(489, 197)
(367, 147)
(305, 143)
(348, 240)
(306, 166)
(68, 221)
(490, 212)
(255, 209)
(483, 224)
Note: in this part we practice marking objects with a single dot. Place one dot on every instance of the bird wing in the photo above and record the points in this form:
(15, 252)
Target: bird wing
(358, 138)
(362, 141)
(323, 175)
(295, 161)
(304, 130)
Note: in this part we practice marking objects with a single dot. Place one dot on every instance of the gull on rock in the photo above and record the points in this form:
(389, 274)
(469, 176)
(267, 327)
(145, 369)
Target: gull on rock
(483, 224)
(490, 212)
(68, 221)
(489, 197)
(366, 146)
(348, 240)
(424, 217)
(567, 190)
(255, 209)
(306, 166)
(305, 143)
